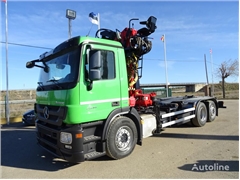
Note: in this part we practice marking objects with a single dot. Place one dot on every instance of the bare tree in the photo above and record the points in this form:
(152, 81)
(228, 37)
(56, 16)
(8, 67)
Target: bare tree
(226, 69)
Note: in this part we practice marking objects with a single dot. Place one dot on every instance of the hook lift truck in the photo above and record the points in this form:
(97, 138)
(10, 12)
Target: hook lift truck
(89, 102)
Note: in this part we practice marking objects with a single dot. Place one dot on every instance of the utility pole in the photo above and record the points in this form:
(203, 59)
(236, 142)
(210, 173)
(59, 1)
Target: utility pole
(7, 94)
(212, 89)
(207, 87)
(206, 68)
(163, 38)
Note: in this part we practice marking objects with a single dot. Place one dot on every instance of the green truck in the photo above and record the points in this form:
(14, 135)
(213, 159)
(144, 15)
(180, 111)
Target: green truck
(89, 102)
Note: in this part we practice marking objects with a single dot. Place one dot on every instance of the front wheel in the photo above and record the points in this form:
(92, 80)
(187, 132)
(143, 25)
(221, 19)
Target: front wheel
(201, 115)
(121, 138)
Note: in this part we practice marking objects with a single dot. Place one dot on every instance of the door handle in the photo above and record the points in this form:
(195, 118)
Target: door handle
(116, 103)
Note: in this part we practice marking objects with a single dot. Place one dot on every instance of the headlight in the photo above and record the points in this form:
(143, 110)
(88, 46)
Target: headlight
(66, 138)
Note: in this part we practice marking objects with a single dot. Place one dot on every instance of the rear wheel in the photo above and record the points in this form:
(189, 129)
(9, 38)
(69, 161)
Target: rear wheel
(121, 138)
(212, 111)
(201, 115)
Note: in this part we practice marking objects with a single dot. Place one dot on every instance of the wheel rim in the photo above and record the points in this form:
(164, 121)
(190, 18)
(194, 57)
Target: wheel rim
(212, 111)
(203, 115)
(122, 139)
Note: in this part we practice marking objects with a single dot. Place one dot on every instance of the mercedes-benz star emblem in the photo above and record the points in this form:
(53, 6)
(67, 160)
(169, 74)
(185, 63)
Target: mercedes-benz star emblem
(46, 112)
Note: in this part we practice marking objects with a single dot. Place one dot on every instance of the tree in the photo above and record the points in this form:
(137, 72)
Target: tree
(226, 69)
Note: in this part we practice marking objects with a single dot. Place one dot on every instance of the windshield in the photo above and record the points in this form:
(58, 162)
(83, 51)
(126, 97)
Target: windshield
(62, 71)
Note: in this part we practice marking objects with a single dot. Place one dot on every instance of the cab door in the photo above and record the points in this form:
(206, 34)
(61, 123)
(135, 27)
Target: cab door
(100, 96)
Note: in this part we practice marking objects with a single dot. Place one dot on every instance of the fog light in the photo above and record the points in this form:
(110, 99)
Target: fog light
(66, 138)
(68, 147)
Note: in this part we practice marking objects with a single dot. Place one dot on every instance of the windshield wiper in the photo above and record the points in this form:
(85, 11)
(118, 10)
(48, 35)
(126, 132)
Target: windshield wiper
(40, 86)
(55, 81)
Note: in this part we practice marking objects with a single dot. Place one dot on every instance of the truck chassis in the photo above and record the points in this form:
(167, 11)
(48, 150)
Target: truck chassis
(118, 135)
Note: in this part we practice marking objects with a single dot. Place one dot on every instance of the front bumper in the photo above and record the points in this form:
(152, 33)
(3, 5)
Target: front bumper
(49, 139)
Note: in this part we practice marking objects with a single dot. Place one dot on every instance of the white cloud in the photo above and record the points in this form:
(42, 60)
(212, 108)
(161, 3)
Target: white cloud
(170, 64)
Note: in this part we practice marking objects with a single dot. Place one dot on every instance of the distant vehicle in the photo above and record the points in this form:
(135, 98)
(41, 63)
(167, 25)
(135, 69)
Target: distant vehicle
(29, 117)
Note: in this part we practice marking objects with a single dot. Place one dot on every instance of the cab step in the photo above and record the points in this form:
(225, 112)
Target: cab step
(93, 155)
(91, 138)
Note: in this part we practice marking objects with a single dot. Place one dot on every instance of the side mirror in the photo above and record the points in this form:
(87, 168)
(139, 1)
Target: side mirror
(30, 64)
(94, 65)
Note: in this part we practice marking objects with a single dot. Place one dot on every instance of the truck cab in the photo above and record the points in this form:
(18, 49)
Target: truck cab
(82, 87)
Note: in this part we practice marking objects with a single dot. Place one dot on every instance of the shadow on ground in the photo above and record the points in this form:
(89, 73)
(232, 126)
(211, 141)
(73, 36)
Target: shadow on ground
(197, 136)
(20, 150)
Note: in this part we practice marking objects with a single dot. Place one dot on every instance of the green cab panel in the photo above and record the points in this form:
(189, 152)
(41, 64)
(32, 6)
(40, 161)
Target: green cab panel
(107, 94)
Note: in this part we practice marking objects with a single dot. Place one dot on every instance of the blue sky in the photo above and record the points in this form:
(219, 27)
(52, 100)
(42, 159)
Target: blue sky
(191, 29)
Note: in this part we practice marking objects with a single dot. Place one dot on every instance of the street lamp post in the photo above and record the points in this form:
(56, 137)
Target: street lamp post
(7, 93)
(71, 15)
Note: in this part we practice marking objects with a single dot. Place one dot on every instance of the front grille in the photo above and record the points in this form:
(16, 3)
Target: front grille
(49, 148)
(55, 114)
(48, 134)
(48, 138)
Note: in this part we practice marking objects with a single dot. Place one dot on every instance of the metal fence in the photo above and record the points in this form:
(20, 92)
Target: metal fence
(19, 102)
(160, 92)
(16, 107)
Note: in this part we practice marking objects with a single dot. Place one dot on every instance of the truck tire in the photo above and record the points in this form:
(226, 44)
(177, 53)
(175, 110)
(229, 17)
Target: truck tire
(121, 138)
(201, 115)
(211, 111)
